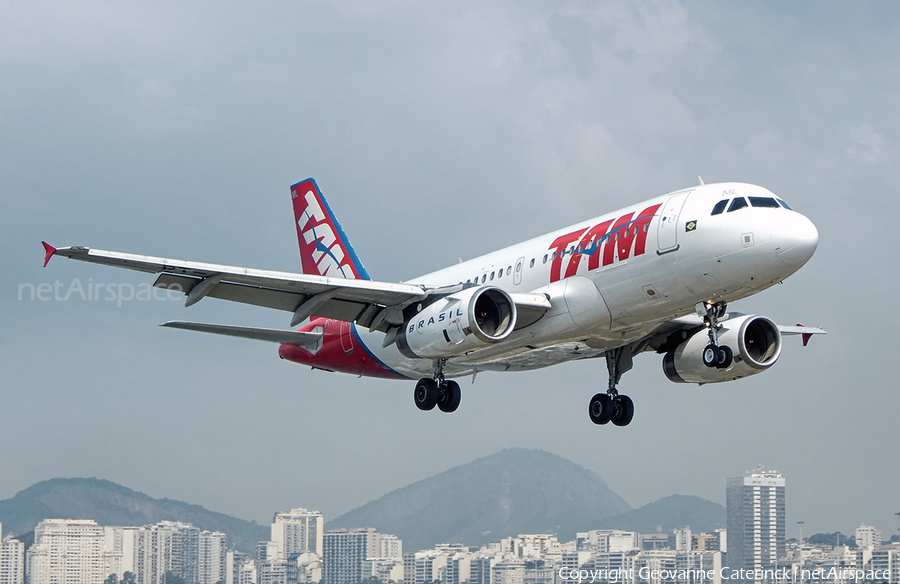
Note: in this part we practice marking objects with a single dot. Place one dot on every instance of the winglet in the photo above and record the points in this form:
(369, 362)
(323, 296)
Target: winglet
(805, 337)
(49, 250)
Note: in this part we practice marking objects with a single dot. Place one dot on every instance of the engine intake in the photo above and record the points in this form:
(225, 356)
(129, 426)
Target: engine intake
(462, 322)
(755, 341)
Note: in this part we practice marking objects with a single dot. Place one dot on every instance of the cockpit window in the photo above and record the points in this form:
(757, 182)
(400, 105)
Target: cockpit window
(720, 206)
(763, 202)
(783, 204)
(738, 203)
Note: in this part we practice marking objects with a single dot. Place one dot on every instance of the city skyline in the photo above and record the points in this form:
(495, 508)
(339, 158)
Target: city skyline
(78, 551)
(436, 132)
(752, 547)
(299, 524)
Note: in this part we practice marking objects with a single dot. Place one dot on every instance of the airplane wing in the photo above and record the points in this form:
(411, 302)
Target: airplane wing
(693, 322)
(371, 304)
(304, 295)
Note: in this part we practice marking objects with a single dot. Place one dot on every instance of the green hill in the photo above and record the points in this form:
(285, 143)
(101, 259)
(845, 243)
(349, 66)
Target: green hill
(110, 504)
(668, 514)
(514, 491)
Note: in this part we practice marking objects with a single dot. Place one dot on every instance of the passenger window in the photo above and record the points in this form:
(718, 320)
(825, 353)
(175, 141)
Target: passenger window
(646, 227)
(500, 274)
(763, 202)
(720, 206)
(492, 275)
(508, 270)
(783, 204)
(483, 278)
(531, 265)
(545, 258)
(738, 203)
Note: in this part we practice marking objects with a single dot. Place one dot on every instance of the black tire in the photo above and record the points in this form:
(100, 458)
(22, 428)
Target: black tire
(726, 357)
(450, 396)
(426, 394)
(710, 355)
(600, 409)
(623, 411)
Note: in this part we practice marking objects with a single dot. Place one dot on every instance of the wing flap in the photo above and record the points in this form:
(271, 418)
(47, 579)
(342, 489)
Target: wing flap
(302, 339)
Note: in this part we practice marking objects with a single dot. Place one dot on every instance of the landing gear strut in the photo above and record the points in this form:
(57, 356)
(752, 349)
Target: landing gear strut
(437, 391)
(610, 406)
(714, 355)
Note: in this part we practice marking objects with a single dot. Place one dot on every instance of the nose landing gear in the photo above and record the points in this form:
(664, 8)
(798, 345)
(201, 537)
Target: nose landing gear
(437, 391)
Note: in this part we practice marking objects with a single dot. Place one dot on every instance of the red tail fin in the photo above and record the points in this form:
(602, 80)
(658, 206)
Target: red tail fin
(325, 249)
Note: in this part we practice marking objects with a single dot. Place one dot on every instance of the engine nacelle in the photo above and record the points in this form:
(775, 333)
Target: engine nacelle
(755, 341)
(471, 319)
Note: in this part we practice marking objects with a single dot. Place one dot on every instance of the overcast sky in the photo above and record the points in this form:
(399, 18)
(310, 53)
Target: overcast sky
(436, 130)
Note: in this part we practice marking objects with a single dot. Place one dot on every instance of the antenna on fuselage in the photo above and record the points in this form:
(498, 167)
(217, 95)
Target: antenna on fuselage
(700, 178)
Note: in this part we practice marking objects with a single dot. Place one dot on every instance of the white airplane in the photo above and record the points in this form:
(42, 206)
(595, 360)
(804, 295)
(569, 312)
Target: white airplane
(655, 276)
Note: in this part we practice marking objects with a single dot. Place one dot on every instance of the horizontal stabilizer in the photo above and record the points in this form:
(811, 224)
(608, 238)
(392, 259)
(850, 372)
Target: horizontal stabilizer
(260, 334)
(806, 331)
(800, 330)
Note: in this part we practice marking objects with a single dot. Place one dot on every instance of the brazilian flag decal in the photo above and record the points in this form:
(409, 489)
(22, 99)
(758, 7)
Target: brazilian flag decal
(690, 226)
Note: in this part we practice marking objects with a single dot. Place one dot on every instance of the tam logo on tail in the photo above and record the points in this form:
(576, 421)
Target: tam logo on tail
(324, 247)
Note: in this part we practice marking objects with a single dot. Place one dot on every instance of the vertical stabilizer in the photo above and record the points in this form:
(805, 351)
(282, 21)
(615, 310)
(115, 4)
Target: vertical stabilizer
(324, 247)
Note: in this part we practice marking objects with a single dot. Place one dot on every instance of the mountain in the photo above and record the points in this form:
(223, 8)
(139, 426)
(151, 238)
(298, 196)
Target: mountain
(110, 504)
(514, 491)
(667, 514)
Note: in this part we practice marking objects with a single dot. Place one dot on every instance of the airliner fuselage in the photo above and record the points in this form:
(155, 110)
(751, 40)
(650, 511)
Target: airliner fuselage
(653, 276)
(610, 280)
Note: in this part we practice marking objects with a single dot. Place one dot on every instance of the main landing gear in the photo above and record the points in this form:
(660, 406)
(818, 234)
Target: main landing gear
(610, 406)
(714, 355)
(437, 391)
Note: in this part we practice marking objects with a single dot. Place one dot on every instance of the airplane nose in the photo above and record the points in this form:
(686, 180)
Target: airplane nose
(796, 241)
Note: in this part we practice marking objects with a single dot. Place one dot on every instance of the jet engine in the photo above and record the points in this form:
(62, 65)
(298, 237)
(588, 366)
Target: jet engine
(754, 340)
(453, 325)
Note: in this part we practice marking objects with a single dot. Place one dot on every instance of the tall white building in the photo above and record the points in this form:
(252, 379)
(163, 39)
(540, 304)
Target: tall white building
(388, 546)
(305, 568)
(607, 540)
(12, 560)
(67, 551)
(756, 519)
(211, 557)
(152, 551)
(345, 552)
(510, 571)
(234, 564)
(887, 561)
(297, 531)
(683, 539)
(867, 536)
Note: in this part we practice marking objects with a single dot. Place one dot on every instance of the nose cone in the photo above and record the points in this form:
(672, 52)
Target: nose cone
(795, 240)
